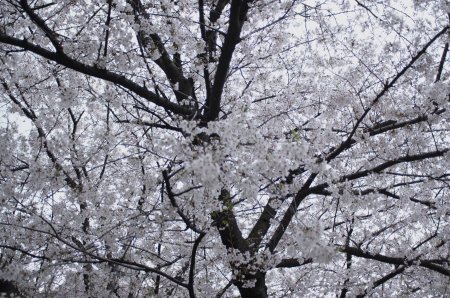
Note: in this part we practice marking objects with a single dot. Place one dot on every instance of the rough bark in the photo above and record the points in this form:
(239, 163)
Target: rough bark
(259, 290)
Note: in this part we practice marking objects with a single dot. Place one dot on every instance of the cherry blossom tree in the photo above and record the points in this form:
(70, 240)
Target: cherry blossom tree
(217, 148)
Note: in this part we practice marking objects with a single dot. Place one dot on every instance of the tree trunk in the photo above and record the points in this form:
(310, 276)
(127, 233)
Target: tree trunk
(8, 289)
(259, 290)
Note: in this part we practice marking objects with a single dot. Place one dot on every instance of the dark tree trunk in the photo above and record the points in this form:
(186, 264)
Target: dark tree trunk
(8, 289)
(259, 290)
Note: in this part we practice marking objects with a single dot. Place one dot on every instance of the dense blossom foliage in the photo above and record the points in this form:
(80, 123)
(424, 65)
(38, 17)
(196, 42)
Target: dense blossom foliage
(223, 148)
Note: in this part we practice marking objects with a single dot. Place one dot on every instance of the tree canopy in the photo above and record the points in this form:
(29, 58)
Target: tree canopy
(224, 148)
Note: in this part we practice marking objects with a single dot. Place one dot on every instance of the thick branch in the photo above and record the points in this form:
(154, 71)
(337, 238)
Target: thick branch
(292, 263)
(238, 13)
(441, 63)
(41, 24)
(382, 280)
(321, 189)
(347, 143)
(174, 203)
(215, 13)
(29, 113)
(377, 129)
(289, 214)
(227, 225)
(93, 71)
(357, 252)
(390, 163)
(262, 225)
(171, 67)
(192, 265)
